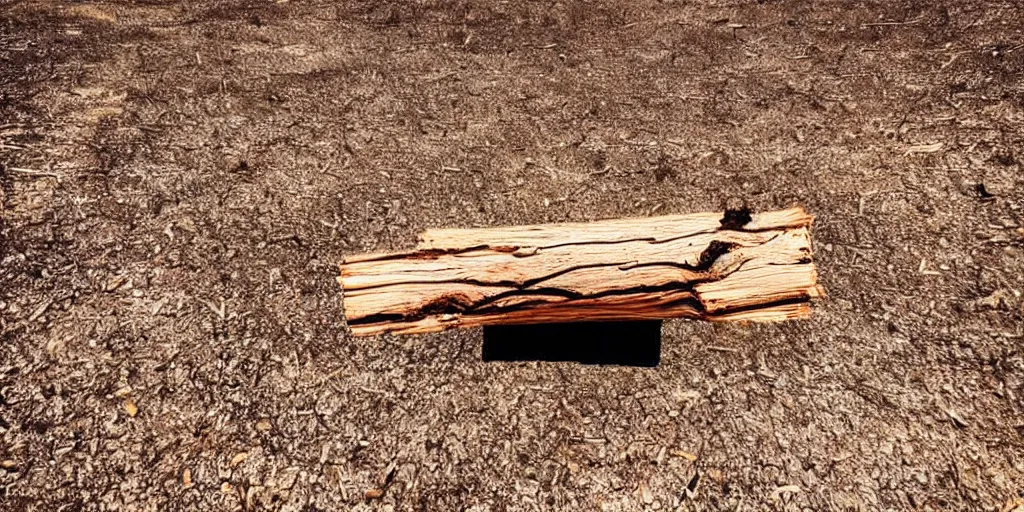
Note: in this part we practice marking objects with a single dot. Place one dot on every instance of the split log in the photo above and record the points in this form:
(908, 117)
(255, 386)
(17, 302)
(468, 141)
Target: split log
(709, 266)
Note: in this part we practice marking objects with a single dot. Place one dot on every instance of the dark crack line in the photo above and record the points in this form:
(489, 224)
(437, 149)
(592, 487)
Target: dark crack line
(803, 298)
(693, 301)
(656, 241)
(454, 304)
(429, 254)
(450, 305)
(706, 260)
(524, 285)
(434, 253)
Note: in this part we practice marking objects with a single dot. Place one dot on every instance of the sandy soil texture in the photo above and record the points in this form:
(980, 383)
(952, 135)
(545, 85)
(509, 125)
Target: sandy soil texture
(180, 180)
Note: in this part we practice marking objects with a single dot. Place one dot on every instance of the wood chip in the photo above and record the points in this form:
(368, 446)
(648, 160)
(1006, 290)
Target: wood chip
(1013, 505)
(686, 455)
(220, 311)
(158, 306)
(998, 299)
(779, 491)
(924, 148)
(645, 494)
(186, 478)
(957, 419)
(238, 459)
(374, 494)
(40, 310)
(130, 407)
(114, 283)
(715, 348)
(923, 268)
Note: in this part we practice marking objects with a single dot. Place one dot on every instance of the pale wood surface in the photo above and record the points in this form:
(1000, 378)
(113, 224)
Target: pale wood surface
(700, 266)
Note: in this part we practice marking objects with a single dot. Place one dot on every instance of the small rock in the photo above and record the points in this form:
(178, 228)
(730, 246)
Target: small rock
(186, 478)
(374, 494)
(263, 425)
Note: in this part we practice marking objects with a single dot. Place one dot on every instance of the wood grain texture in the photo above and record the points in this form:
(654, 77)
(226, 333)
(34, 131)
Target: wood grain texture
(710, 266)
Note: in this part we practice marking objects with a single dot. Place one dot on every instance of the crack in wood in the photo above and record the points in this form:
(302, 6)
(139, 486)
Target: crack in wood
(749, 268)
(707, 259)
(453, 304)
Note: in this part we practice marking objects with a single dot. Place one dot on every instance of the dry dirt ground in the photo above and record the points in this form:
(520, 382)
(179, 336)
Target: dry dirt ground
(180, 179)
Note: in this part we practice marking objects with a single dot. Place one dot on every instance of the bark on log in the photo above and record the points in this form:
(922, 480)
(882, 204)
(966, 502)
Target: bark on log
(708, 266)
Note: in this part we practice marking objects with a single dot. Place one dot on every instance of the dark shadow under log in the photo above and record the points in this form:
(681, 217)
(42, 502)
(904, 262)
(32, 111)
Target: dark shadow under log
(635, 343)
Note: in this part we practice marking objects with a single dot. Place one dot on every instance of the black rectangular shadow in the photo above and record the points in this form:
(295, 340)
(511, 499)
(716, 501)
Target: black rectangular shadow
(631, 343)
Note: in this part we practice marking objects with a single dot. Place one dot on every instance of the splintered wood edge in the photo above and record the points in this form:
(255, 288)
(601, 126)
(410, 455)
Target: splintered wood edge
(613, 230)
(793, 304)
(771, 313)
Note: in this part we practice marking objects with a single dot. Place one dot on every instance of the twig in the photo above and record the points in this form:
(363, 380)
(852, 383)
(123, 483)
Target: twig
(892, 23)
(863, 199)
(924, 148)
(40, 310)
(723, 349)
(33, 172)
(440, 77)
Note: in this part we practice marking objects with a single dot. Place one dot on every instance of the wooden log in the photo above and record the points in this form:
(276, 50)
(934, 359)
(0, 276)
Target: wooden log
(710, 266)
